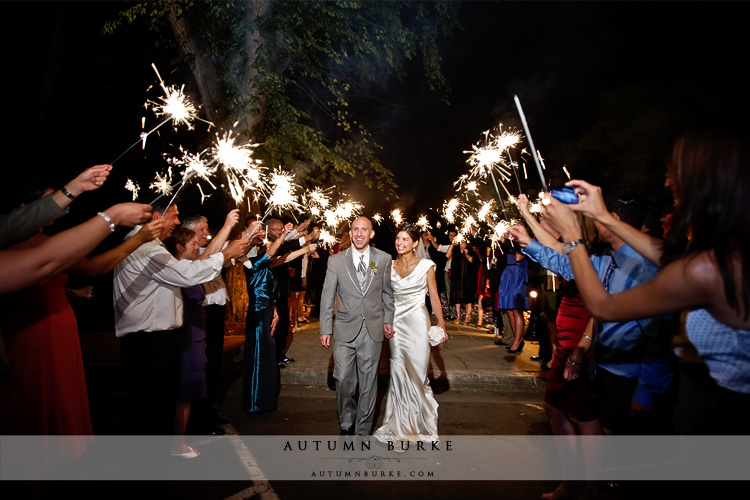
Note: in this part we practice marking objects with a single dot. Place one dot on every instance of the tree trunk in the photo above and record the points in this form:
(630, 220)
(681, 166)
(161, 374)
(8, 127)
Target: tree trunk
(204, 70)
(212, 94)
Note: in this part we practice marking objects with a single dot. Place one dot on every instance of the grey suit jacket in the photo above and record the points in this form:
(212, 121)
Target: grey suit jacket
(375, 304)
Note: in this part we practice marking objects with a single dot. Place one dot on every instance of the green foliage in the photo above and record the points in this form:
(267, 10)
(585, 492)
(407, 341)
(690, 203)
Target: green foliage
(298, 75)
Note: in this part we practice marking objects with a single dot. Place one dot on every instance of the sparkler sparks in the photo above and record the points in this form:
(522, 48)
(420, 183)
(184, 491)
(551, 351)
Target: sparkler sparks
(282, 191)
(132, 187)
(377, 218)
(326, 239)
(243, 172)
(423, 223)
(449, 210)
(162, 184)
(397, 217)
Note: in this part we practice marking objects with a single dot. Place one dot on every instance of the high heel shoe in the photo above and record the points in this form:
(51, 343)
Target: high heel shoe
(519, 349)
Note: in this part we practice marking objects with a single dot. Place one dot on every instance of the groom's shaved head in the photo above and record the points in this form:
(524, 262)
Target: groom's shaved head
(361, 233)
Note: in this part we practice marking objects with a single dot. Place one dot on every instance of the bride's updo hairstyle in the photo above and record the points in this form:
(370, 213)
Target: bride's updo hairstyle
(410, 229)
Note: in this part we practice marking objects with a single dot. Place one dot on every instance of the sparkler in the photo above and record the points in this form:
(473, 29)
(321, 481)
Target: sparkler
(243, 172)
(397, 217)
(531, 144)
(377, 218)
(423, 223)
(449, 210)
(175, 105)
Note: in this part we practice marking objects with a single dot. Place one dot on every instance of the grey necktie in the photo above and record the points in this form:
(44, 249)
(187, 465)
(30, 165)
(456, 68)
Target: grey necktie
(362, 271)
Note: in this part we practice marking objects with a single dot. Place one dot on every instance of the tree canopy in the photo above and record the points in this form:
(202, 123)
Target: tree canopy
(296, 76)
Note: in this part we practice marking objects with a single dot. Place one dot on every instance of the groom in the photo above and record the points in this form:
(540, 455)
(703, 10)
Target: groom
(360, 277)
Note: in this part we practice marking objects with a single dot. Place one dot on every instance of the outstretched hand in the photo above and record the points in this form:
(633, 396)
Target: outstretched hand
(233, 217)
(90, 179)
(129, 214)
(149, 231)
(519, 234)
(522, 202)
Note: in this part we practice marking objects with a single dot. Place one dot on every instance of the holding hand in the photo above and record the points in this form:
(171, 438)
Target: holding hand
(233, 217)
(590, 200)
(388, 331)
(149, 231)
(302, 226)
(561, 218)
(519, 234)
(236, 248)
(90, 179)
(129, 214)
(522, 202)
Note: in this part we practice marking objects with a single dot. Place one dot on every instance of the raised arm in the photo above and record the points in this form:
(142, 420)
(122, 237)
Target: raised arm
(221, 237)
(105, 262)
(21, 268)
(24, 221)
(88, 180)
(288, 257)
(274, 247)
(591, 204)
(542, 235)
(680, 285)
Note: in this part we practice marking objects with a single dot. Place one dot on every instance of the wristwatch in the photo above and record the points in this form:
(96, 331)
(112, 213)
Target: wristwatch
(569, 246)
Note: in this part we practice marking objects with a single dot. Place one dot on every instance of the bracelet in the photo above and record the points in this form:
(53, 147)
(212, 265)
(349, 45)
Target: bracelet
(67, 193)
(574, 364)
(112, 225)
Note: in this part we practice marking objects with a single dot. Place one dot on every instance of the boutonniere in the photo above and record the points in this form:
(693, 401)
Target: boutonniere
(374, 267)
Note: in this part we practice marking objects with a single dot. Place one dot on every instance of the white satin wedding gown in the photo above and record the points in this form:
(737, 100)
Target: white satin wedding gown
(411, 410)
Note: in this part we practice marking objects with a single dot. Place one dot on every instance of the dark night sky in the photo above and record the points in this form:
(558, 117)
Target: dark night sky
(557, 56)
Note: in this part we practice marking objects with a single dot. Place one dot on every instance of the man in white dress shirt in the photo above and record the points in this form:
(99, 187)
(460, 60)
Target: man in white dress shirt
(148, 316)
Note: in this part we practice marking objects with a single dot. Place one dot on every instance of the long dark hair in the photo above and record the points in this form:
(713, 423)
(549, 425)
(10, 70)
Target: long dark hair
(710, 176)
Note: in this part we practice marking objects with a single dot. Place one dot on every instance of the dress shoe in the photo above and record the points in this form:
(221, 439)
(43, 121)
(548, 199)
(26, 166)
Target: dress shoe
(516, 351)
(545, 366)
(281, 365)
(535, 358)
(193, 453)
(347, 432)
(287, 360)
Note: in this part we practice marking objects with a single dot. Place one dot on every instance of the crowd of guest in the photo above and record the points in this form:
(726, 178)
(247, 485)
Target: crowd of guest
(640, 334)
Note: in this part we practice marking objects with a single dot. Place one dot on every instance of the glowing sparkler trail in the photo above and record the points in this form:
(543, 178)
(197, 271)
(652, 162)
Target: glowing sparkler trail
(377, 218)
(423, 223)
(531, 144)
(397, 217)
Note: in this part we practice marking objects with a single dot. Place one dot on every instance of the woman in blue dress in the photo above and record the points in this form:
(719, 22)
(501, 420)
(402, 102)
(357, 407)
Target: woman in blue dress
(512, 296)
(260, 379)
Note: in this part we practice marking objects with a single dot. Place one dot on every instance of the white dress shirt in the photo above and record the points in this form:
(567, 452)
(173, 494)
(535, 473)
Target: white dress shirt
(147, 295)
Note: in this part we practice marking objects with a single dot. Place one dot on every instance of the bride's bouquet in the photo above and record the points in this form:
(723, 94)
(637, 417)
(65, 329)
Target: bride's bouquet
(436, 335)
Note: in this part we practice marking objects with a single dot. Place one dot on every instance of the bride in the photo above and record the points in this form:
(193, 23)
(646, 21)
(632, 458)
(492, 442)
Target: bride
(411, 409)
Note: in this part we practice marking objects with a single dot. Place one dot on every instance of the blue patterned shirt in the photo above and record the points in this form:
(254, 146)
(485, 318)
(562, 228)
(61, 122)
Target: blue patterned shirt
(637, 348)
